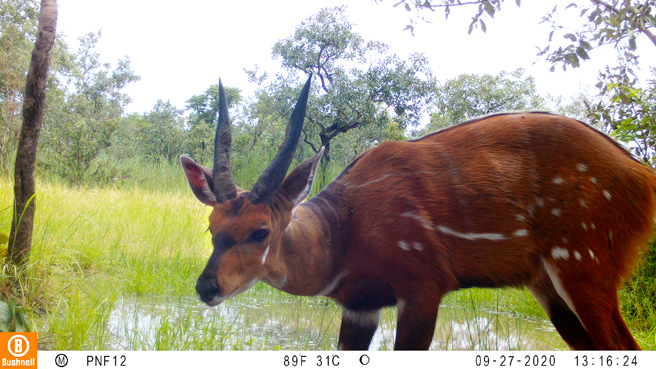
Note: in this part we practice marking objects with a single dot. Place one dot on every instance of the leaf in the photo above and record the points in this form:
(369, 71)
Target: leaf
(571, 37)
(3, 238)
(624, 98)
(518, 2)
(483, 26)
(572, 60)
(582, 53)
(428, 5)
(22, 324)
(5, 317)
(489, 9)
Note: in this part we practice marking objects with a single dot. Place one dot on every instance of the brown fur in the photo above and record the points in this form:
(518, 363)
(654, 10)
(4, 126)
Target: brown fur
(523, 199)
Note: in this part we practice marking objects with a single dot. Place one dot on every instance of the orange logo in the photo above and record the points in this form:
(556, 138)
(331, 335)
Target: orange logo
(18, 350)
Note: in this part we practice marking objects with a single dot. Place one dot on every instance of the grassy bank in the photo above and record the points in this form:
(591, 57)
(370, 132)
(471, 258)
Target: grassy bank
(115, 267)
(93, 245)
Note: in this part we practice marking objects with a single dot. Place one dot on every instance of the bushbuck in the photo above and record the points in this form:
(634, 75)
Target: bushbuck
(511, 199)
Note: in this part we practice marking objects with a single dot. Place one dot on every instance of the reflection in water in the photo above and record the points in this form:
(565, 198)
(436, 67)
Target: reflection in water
(267, 321)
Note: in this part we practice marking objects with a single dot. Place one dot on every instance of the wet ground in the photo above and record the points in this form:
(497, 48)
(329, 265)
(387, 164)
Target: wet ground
(264, 321)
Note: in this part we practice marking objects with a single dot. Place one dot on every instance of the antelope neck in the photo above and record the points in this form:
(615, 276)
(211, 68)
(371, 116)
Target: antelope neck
(309, 256)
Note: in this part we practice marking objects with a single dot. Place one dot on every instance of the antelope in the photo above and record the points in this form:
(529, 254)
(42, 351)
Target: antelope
(511, 199)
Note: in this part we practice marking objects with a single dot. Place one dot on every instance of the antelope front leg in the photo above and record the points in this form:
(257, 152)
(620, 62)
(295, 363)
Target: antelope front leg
(357, 329)
(415, 324)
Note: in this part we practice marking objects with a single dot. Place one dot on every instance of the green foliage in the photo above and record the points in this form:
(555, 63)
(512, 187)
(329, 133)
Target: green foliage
(18, 25)
(161, 133)
(204, 110)
(470, 95)
(628, 111)
(13, 317)
(639, 297)
(82, 117)
(359, 84)
(615, 22)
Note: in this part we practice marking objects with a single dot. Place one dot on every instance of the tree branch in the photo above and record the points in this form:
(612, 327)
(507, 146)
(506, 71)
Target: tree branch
(640, 27)
(305, 139)
(605, 5)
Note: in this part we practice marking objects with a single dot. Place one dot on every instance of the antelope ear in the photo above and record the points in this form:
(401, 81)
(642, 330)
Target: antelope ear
(200, 180)
(298, 183)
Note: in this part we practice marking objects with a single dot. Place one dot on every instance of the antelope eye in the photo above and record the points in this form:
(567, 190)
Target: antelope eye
(260, 235)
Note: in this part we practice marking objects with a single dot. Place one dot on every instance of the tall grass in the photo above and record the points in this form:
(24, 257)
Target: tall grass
(91, 245)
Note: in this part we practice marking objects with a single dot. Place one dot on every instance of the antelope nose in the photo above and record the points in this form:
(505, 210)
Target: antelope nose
(208, 290)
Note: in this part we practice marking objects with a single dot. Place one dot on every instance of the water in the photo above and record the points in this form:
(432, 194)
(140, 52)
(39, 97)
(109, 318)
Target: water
(267, 321)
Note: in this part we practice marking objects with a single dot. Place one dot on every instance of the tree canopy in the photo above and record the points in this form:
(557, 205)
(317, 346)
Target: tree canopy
(470, 95)
(361, 84)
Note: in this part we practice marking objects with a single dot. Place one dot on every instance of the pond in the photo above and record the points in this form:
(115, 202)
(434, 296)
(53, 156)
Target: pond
(272, 321)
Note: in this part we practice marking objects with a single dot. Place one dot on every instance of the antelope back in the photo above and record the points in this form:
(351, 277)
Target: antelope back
(485, 202)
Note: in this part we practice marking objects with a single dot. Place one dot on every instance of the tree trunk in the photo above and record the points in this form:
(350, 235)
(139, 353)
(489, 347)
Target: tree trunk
(20, 239)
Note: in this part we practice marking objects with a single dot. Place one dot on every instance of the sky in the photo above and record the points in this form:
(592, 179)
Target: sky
(180, 48)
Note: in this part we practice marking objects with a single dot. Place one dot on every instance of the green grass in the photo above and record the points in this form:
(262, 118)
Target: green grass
(114, 267)
(94, 244)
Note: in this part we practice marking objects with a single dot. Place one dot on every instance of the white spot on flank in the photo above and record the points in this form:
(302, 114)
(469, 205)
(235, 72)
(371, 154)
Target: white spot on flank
(593, 180)
(558, 180)
(592, 256)
(421, 219)
(559, 253)
(585, 226)
(581, 167)
(607, 195)
(417, 246)
(266, 252)
(583, 203)
(565, 241)
(577, 255)
(472, 236)
(522, 218)
(520, 233)
(555, 212)
(331, 286)
(404, 246)
(593, 226)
